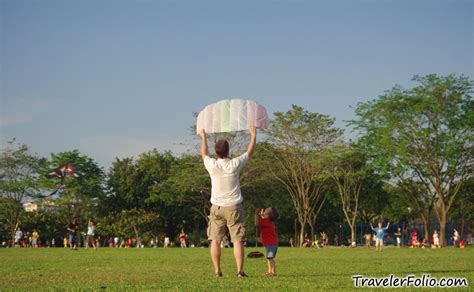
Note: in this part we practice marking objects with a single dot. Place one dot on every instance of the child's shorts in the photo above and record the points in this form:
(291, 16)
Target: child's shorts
(271, 251)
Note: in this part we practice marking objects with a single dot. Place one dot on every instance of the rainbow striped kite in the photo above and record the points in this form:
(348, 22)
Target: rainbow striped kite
(62, 172)
(231, 115)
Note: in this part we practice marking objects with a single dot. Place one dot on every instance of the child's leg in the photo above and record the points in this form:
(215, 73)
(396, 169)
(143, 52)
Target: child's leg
(271, 266)
(269, 263)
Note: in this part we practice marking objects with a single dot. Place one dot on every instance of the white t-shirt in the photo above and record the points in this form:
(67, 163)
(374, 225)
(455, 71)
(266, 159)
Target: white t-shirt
(91, 230)
(225, 179)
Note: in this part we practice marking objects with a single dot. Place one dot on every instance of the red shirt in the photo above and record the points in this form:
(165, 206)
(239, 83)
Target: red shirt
(268, 233)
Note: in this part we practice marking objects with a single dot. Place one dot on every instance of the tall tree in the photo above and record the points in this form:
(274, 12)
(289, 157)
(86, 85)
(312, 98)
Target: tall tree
(349, 171)
(79, 197)
(18, 183)
(134, 188)
(463, 208)
(299, 139)
(424, 134)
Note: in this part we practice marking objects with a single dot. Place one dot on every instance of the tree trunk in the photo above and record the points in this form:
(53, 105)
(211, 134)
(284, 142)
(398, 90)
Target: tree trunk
(311, 226)
(442, 227)
(353, 233)
(297, 241)
(301, 237)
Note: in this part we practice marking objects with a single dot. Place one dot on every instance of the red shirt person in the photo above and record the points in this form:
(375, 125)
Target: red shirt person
(268, 233)
(269, 237)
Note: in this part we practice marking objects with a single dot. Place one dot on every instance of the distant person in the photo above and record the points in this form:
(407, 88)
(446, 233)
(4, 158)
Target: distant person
(35, 238)
(324, 239)
(18, 236)
(414, 240)
(424, 242)
(72, 230)
(90, 236)
(227, 210)
(436, 239)
(379, 235)
(53, 242)
(455, 237)
(368, 239)
(269, 237)
(166, 242)
(307, 243)
(291, 242)
(398, 235)
(182, 240)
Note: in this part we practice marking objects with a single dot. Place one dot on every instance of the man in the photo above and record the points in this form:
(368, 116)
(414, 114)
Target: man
(90, 238)
(226, 198)
(379, 235)
(18, 236)
(72, 230)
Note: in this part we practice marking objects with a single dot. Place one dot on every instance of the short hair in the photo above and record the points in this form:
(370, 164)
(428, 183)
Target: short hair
(272, 213)
(222, 148)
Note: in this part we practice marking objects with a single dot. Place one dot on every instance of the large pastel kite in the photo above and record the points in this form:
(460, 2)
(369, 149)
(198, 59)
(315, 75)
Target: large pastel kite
(231, 115)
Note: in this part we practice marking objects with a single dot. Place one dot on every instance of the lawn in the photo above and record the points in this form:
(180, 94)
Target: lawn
(190, 269)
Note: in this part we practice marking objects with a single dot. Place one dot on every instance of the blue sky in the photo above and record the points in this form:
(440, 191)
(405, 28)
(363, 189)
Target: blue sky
(117, 78)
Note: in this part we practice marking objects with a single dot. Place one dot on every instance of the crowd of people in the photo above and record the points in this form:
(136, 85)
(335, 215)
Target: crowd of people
(377, 236)
(87, 239)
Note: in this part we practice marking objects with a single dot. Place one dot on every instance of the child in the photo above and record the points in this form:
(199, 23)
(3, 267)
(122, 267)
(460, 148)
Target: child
(414, 240)
(436, 240)
(269, 236)
(398, 235)
(368, 240)
(379, 233)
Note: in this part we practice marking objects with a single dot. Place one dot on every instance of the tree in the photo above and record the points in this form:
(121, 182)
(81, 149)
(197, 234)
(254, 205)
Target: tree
(349, 171)
(79, 197)
(423, 134)
(135, 187)
(463, 208)
(299, 139)
(188, 183)
(18, 182)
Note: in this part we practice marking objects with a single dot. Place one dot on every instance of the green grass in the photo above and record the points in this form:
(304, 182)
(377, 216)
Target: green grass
(190, 269)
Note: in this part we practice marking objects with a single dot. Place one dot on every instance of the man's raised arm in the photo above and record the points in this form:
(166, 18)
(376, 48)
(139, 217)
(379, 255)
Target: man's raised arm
(203, 144)
(253, 140)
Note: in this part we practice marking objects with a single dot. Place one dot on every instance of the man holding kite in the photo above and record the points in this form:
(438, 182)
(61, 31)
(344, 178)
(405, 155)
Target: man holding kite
(226, 198)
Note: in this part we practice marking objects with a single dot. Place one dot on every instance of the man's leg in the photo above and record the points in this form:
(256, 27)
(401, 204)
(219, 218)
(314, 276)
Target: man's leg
(216, 255)
(239, 255)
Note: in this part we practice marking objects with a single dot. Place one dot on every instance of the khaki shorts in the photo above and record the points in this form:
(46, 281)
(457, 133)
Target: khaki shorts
(233, 217)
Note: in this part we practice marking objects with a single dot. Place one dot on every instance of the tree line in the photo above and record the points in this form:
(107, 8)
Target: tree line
(412, 160)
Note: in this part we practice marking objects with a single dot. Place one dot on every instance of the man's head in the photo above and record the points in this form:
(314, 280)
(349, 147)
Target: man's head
(222, 148)
(380, 224)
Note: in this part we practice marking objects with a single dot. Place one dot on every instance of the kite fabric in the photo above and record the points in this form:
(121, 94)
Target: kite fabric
(231, 115)
(62, 172)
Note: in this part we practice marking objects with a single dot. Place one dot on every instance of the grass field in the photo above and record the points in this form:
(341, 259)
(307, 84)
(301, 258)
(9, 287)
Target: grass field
(190, 269)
